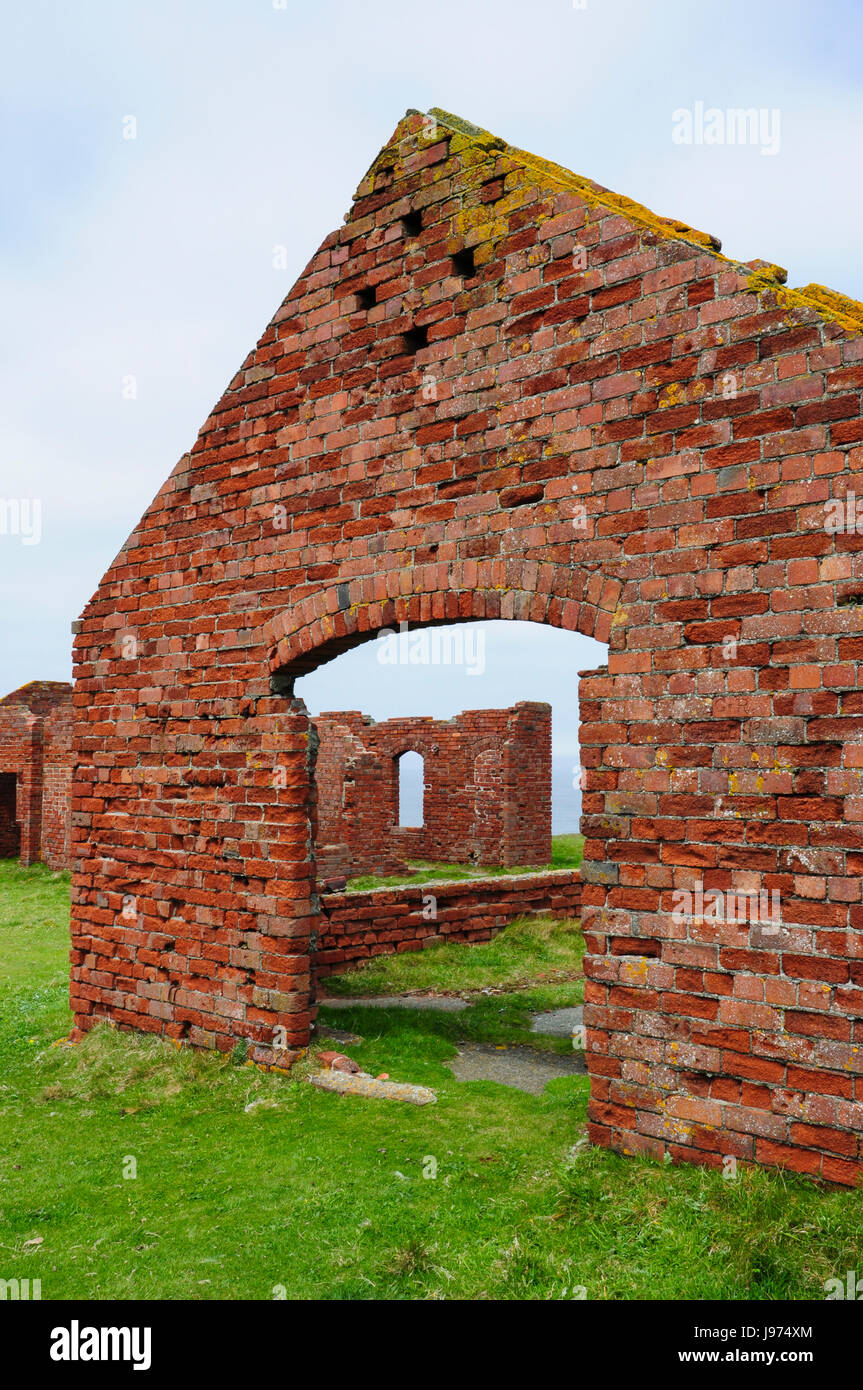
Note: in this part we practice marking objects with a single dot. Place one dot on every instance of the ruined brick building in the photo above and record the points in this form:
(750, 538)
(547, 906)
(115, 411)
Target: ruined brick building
(36, 773)
(487, 790)
(501, 391)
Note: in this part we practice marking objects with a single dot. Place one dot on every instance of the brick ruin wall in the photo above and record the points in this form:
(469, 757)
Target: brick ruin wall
(357, 926)
(55, 850)
(500, 391)
(36, 774)
(487, 790)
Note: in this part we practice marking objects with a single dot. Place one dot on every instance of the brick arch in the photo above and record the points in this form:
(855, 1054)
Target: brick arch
(322, 626)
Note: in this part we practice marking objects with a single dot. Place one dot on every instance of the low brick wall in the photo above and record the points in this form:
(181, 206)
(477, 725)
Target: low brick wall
(355, 926)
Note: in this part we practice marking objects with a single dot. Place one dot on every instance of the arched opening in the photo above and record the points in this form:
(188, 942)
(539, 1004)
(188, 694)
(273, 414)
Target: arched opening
(579, 600)
(410, 790)
(464, 754)
(463, 822)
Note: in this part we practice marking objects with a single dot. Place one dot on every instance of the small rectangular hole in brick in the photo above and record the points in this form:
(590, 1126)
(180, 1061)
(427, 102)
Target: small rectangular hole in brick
(366, 298)
(415, 338)
(463, 263)
(412, 224)
(635, 946)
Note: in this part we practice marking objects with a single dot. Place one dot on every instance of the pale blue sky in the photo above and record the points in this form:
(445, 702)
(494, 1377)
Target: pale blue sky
(153, 256)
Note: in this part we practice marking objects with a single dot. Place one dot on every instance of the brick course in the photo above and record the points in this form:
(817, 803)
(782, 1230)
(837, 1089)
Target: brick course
(500, 391)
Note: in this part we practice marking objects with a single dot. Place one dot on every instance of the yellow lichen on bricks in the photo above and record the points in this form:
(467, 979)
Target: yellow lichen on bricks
(830, 304)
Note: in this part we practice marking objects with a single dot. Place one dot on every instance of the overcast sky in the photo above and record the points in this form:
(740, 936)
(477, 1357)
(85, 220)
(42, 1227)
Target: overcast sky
(254, 121)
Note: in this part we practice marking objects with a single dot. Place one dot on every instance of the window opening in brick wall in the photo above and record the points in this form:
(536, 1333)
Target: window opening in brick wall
(411, 771)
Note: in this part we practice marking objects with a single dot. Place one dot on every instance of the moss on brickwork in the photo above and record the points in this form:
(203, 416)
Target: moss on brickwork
(829, 304)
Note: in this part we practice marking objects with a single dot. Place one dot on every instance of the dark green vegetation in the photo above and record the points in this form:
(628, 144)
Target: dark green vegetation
(248, 1181)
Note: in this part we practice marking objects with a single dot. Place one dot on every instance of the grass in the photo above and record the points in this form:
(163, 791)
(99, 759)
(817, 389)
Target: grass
(34, 911)
(501, 1019)
(531, 950)
(566, 852)
(247, 1182)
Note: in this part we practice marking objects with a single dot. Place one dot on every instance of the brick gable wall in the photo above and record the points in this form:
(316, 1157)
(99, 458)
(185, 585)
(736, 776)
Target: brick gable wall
(602, 424)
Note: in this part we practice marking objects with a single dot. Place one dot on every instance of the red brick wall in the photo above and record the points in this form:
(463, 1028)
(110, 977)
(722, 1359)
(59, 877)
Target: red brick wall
(525, 776)
(355, 926)
(39, 697)
(487, 788)
(56, 787)
(21, 756)
(613, 429)
(356, 790)
(36, 748)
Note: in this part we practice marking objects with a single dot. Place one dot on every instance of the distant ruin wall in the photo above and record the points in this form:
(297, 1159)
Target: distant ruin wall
(56, 788)
(36, 774)
(487, 790)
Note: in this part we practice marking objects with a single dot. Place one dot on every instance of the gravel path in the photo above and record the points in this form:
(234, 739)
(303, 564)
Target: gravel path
(559, 1023)
(514, 1066)
(518, 1066)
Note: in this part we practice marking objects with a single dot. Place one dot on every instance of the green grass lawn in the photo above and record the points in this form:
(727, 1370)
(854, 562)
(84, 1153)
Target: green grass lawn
(34, 936)
(566, 852)
(530, 952)
(249, 1181)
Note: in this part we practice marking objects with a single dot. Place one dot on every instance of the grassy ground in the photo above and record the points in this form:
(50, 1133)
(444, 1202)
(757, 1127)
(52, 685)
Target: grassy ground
(530, 951)
(566, 852)
(247, 1181)
(34, 911)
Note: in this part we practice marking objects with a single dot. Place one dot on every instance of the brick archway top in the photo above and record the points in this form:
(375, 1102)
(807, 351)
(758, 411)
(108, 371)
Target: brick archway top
(408, 748)
(347, 614)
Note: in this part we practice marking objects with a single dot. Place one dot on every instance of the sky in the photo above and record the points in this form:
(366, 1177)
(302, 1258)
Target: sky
(155, 155)
(487, 665)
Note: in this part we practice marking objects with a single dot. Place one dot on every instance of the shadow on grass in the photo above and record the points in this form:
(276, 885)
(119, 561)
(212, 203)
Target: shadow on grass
(499, 1019)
